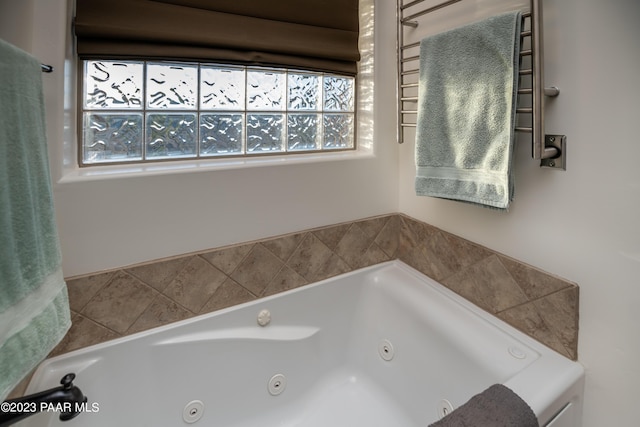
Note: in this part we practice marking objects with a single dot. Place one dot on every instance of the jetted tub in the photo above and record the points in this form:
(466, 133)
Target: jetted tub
(381, 346)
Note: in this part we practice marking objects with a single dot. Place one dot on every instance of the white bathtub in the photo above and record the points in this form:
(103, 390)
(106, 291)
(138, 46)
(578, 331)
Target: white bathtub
(381, 346)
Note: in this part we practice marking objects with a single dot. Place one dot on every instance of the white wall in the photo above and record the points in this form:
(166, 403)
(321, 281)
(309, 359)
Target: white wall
(582, 224)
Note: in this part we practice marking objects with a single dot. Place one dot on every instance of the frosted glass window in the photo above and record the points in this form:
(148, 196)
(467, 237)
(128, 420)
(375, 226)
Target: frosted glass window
(221, 134)
(113, 85)
(110, 137)
(303, 132)
(305, 91)
(138, 111)
(172, 86)
(222, 88)
(338, 131)
(338, 93)
(266, 90)
(265, 133)
(171, 135)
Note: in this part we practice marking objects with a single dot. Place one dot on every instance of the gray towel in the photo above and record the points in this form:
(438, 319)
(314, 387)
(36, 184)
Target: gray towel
(497, 406)
(466, 112)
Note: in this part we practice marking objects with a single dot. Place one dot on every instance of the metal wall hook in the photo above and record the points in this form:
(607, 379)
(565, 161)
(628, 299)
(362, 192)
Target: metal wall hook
(555, 151)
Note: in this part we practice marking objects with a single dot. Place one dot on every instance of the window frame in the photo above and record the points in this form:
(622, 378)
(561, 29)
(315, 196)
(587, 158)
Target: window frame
(198, 157)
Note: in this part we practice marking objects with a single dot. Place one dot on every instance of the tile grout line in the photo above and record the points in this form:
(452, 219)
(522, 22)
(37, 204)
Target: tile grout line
(405, 224)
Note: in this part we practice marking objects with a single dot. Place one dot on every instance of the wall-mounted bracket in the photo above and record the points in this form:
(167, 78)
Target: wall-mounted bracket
(557, 144)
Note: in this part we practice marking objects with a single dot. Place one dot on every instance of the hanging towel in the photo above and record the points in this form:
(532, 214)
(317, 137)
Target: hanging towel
(466, 112)
(34, 306)
(497, 406)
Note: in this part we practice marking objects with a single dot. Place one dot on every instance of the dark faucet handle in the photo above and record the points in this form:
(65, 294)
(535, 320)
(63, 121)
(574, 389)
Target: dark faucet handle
(67, 381)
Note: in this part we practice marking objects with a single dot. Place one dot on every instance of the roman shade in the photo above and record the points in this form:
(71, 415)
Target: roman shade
(319, 35)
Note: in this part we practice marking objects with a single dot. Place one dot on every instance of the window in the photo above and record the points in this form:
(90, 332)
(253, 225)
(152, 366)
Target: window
(141, 111)
(200, 79)
(166, 80)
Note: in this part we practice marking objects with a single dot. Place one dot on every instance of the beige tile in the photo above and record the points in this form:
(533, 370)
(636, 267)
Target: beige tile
(534, 282)
(195, 284)
(310, 257)
(488, 285)
(445, 254)
(560, 312)
(283, 247)
(414, 232)
(353, 246)
(228, 294)
(373, 226)
(441, 260)
(119, 303)
(227, 259)
(427, 257)
(160, 312)
(332, 266)
(285, 280)
(463, 252)
(159, 274)
(374, 255)
(331, 236)
(413, 239)
(407, 240)
(527, 318)
(358, 248)
(83, 333)
(388, 237)
(257, 269)
(83, 289)
(415, 257)
(540, 304)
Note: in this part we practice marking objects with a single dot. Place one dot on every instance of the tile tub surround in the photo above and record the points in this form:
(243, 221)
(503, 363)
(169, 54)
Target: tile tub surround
(113, 304)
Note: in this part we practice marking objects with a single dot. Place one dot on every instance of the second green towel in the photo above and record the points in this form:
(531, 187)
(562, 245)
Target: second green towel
(466, 112)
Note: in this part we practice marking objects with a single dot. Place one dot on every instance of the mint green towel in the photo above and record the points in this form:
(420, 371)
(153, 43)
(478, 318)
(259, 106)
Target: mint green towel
(34, 306)
(466, 112)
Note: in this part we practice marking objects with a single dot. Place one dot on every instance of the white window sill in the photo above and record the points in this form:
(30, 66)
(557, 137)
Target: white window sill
(203, 165)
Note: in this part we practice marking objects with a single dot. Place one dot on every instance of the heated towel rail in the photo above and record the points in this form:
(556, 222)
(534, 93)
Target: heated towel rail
(549, 149)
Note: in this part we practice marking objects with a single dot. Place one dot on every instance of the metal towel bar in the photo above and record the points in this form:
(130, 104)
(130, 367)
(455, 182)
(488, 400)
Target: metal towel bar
(46, 68)
(550, 149)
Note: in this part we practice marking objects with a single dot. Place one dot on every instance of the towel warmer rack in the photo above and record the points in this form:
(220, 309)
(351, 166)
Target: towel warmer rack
(549, 149)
